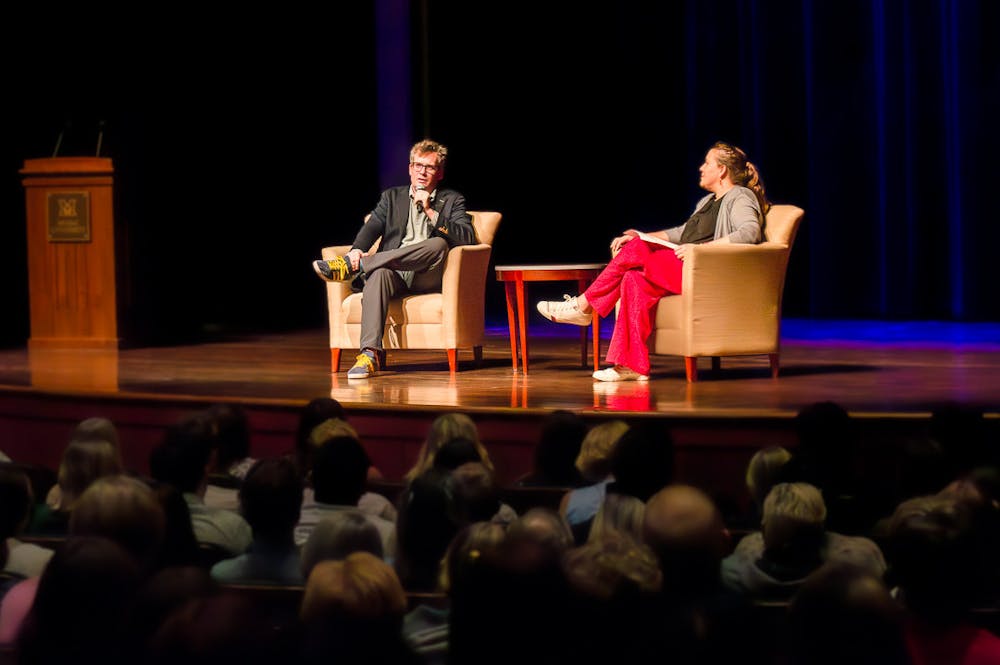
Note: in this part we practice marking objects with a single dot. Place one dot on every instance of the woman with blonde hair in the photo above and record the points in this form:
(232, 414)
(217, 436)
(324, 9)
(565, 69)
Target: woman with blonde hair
(579, 506)
(641, 272)
(445, 428)
(83, 462)
(354, 608)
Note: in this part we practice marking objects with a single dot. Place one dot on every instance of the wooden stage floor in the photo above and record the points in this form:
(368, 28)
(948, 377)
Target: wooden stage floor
(882, 372)
(889, 377)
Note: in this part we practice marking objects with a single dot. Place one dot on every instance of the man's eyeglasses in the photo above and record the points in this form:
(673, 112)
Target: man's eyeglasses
(419, 168)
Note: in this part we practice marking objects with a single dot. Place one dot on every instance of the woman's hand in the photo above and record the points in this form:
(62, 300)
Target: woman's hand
(619, 242)
(683, 250)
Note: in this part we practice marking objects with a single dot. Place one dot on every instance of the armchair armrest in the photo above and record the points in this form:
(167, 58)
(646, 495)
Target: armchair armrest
(463, 287)
(732, 287)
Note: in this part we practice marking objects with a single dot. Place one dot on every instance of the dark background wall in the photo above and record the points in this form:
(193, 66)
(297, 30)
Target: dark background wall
(245, 142)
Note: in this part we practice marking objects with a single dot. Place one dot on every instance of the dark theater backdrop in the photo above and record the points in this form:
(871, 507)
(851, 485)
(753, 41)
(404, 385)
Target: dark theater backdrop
(245, 141)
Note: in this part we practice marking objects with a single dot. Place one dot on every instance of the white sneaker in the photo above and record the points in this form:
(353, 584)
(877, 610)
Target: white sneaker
(566, 311)
(619, 373)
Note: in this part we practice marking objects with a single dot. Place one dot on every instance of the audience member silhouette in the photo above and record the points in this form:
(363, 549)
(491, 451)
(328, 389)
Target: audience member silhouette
(270, 500)
(620, 514)
(425, 627)
(426, 525)
(476, 496)
(793, 541)
(353, 609)
(126, 511)
(17, 559)
(183, 459)
(594, 462)
(81, 605)
(934, 566)
(339, 477)
(83, 461)
(843, 614)
(337, 535)
(614, 584)
(556, 452)
(443, 429)
(701, 621)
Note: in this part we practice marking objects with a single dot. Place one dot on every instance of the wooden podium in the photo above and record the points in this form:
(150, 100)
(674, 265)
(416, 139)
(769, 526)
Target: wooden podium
(71, 253)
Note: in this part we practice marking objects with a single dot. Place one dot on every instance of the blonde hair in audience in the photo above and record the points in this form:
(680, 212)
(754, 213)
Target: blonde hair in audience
(82, 463)
(763, 469)
(361, 586)
(801, 502)
(446, 427)
(618, 514)
(329, 429)
(467, 545)
(594, 460)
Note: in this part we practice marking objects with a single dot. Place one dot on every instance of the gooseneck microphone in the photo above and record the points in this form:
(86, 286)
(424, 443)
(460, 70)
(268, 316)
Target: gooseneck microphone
(59, 139)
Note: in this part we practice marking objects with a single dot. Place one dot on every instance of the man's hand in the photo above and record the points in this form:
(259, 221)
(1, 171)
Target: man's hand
(423, 199)
(354, 258)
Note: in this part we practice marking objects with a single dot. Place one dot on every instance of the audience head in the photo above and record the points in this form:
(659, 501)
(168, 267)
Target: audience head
(444, 429)
(271, 499)
(844, 614)
(613, 585)
(97, 429)
(340, 471)
(683, 527)
(597, 450)
(793, 523)
(424, 528)
(826, 446)
(232, 434)
(618, 514)
(643, 461)
(215, 628)
(126, 511)
(337, 535)
(543, 528)
(475, 496)
(558, 447)
(312, 414)
(360, 586)
(81, 604)
(763, 472)
(466, 547)
(931, 555)
(186, 454)
(83, 462)
(456, 452)
(165, 591)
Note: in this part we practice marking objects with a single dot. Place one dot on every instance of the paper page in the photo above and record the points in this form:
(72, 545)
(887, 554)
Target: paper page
(658, 241)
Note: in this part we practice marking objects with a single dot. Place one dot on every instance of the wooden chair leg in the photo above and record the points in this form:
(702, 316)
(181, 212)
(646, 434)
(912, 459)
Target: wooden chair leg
(452, 360)
(773, 358)
(691, 368)
(334, 360)
(383, 358)
(716, 363)
(477, 354)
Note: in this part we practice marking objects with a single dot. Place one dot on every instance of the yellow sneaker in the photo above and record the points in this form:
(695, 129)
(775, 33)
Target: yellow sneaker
(365, 365)
(333, 270)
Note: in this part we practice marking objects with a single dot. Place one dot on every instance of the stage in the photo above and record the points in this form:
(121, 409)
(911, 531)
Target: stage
(888, 376)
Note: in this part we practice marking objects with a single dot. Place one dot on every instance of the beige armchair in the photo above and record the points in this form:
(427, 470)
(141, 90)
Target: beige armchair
(731, 300)
(452, 319)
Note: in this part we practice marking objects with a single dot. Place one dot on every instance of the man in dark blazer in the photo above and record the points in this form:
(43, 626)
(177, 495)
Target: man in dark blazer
(418, 224)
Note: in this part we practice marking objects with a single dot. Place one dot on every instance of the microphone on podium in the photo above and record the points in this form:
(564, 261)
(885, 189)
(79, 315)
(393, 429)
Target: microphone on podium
(59, 139)
(100, 137)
